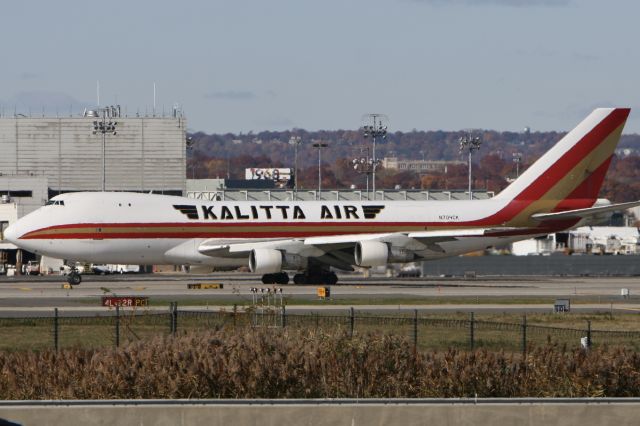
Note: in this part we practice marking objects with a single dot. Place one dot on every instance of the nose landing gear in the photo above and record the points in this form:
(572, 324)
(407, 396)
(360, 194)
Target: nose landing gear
(74, 277)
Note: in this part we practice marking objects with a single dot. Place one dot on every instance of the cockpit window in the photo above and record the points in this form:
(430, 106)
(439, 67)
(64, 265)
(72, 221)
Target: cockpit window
(55, 203)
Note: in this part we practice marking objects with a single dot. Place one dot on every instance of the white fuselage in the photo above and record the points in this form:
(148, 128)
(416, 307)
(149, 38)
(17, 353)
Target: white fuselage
(134, 228)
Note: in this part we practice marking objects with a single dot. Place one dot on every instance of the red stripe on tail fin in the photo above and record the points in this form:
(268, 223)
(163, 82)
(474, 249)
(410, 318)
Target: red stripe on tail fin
(587, 192)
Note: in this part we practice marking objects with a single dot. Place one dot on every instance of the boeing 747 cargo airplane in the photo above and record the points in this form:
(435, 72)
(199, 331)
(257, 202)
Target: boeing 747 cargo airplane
(559, 191)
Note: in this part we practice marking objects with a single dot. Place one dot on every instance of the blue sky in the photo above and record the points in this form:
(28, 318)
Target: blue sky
(277, 64)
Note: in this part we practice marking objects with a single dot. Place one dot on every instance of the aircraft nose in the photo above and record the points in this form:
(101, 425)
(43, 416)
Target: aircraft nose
(11, 234)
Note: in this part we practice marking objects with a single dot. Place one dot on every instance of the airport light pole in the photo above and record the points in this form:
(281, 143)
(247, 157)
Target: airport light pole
(295, 141)
(320, 145)
(517, 158)
(363, 165)
(375, 130)
(190, 143)
(470, 144)
(103, 126)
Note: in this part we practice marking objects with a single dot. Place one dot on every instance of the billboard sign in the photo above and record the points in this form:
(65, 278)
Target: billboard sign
(281, 175)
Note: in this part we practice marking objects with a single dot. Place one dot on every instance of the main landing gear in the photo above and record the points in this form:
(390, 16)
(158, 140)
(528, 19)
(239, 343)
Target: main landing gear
(279, 278)
(318, 277)
(322, 277)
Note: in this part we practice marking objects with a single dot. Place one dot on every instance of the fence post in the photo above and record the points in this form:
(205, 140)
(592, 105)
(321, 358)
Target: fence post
(235, 315)
(471, 331)
(170, 317)
(588, 334)
(524, 334)
(415, 330)
(174, 318)
(352, 320)
(55, 329)
(117, 326)
(284, 316)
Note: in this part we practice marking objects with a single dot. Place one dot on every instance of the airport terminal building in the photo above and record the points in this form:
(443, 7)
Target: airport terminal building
(44, 156)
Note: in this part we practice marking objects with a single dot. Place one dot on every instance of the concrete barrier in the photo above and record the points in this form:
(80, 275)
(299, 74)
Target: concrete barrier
(503, 412)
(556, 265)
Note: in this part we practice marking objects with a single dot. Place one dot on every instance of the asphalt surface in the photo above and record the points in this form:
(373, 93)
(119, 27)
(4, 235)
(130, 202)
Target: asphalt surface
(37, 296)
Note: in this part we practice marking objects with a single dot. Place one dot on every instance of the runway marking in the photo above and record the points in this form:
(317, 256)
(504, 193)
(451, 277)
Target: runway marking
(26, 288)
(628, 309)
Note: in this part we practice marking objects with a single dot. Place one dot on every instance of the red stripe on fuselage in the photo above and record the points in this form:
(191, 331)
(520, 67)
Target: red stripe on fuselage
(203, 229)
(132, 230)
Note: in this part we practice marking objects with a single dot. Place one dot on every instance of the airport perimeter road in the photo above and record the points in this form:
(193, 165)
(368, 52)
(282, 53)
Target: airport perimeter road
(502, 411)
(505, 292)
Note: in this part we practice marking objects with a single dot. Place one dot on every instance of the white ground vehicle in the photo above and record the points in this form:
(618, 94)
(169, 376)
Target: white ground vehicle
(126, 269)
(32, 268)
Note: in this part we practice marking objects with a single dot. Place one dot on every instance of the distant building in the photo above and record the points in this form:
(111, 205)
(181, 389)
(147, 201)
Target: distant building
(8, 214)
(62, 154)
(534, 246)
(223, 189)
(583, 240)
(27, 193)
(203, 185)
(419, 166)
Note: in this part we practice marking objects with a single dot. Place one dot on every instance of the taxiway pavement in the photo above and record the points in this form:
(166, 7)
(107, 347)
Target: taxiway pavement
(26, 295)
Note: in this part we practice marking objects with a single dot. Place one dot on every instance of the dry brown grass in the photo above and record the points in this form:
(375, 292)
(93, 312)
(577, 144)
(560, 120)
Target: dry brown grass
(288, 363)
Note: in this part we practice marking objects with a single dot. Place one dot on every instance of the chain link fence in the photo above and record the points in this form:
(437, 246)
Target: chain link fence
(426, 331)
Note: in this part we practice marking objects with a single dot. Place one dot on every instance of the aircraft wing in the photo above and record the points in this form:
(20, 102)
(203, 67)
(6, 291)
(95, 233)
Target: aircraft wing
(338, 251)
(583, 213)
(235, 248)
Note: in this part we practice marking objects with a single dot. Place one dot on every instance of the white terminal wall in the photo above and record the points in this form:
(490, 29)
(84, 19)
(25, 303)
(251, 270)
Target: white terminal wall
(15, 186)
(147, 153)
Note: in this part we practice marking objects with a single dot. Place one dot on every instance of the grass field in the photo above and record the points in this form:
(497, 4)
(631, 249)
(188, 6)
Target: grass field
(495, 331)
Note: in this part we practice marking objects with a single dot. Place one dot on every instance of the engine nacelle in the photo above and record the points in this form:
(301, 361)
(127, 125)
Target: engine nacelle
(295, 262)
(375, 253)
(401, 255)
(269, 261)
(371, 253)
(265, 261)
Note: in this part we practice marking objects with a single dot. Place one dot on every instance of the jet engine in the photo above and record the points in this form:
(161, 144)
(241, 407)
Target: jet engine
(374, 253)
(371, 253)
(269, 261)
(265, 261)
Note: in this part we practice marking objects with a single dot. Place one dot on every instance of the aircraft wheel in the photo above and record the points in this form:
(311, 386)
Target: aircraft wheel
(299, 279)
(74, 278)
(330, 278)
(278, 278)
(282, 278)
(315, 279)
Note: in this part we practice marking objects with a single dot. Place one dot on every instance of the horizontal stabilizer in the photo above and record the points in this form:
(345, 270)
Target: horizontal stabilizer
(582, 213)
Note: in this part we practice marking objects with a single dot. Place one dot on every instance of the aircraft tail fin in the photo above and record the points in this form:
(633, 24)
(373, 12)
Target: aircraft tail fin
(570, 175)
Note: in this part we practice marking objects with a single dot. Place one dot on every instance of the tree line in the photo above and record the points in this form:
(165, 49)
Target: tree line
(227, 155)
